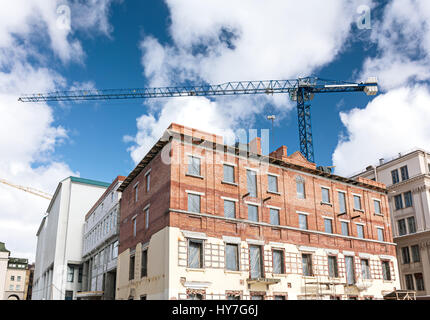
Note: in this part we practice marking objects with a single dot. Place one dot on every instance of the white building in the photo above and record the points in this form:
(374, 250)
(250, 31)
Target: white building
(58, 266)
(408, 180)
(4, 258)
(100, 246)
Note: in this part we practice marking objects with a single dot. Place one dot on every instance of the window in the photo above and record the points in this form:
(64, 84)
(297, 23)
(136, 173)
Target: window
(402, 227)
(11, 287)
(195, 296)
(416, 253)
(115, 250)
(195, 254)
(307, 265)
(136, 192)
(257, 297)
(70, 273)
(380, 232)
(193, 203)
(68, 295)
(148, 182)
(405, 255)
(143, 297)
(273, 183)
(328, 226)
(409, 282)
(252, 213)
(274, 217)
(342, 202)
(279, 298)
(325, 194)
(147, 218)
(404, 173)
(12, 278)
(229, 209)
(408, 199)
(419, 280)
(398, 202)
(251, 181)
(144, 266)
(18, 287)
(300, 186)
(233, 297)
(278, 262)
(232, 257)
(193, 166)
(377, 205)
(131, 268)
(349, 265)
(256, 262)
(303, 221)
(395, 176)
(386, 270)
(357, 202)
(18, 278)
(133, 221)
(332, 267)
(228, 173)
(345, 228)
(80, 274)
(360, 231)
(411, 225)
(365, 269)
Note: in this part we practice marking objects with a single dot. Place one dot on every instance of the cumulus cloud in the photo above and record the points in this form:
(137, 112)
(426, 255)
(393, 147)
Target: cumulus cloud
(30, 37)
(220, 41)
(397, 120)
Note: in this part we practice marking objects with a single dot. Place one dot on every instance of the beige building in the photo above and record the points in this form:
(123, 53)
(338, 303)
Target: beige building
(16, 278)
(4, 258)
(408, 181)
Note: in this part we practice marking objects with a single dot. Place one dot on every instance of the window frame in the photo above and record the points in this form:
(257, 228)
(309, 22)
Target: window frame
(237, 256)
(282, 262)
(201, 244)
(276, 183)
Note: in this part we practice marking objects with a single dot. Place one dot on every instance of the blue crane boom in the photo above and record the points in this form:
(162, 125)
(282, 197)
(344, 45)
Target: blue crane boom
(301, 90)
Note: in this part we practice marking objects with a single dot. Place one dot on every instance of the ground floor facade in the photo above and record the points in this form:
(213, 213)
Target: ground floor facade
(413, 253)
(181, 264)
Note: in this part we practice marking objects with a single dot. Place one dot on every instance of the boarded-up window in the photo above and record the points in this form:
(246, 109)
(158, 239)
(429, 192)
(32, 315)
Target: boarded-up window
(377, 205)
(193, 166)
(195, 254)
(307, 265)
(357, 202)
(231, 256)
(273, 183)
(349, 266)
(328, 226)
(229, 209)
(365, 269)
(342, 202)
(278, 262)
(252, 213)
(300, 185)
(386, 270)
(131, 269)
(144, 266)
(325, 193)
(274, 217)
(256, 261)
(228, 173)
(345, 228)
(303, 221)
(251, 181)
(193, 203)
(332, 267)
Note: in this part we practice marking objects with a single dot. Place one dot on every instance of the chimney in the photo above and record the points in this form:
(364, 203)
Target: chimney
(280, 153)
(255, 146)
(381, 161)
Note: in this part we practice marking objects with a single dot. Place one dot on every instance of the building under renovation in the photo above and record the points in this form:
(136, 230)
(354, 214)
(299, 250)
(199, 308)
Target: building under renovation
(204, 220)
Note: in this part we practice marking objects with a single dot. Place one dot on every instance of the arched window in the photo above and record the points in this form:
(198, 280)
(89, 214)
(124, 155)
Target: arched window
(300, 183)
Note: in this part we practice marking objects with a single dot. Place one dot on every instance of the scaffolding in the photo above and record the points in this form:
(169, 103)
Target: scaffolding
(401, 295)
(319, 287)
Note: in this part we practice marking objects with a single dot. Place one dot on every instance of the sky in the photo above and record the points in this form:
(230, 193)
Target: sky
(50, 45)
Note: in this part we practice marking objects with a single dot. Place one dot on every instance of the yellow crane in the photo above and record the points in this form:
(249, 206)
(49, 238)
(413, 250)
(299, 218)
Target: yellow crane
(27, 189)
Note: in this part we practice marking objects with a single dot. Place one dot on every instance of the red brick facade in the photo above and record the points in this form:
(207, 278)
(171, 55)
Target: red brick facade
(168, 198)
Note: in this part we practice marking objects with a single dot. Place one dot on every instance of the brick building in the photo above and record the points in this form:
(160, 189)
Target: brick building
(203, 220)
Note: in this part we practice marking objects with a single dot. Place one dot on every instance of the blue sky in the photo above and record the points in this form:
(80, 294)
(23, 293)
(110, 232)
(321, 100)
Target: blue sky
(131, 43)
(96, 148)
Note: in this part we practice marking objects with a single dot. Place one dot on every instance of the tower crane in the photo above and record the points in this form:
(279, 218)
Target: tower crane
(301, 90)
(27, 189)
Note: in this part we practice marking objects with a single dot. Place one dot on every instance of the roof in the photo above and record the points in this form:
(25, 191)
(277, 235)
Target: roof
(108, 190)
(171, 133)
(3, 247)
(90, 182)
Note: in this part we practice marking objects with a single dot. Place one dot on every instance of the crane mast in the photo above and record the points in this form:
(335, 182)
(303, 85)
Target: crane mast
(301, 90)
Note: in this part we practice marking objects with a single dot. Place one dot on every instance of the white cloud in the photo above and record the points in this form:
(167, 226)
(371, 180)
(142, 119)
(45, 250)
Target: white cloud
(29, 39)
(397, 121)
(220, 41)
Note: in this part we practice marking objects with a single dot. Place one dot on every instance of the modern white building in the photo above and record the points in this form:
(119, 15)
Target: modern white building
(100, 246)
(407, 177)
(58, 267)
(4, 258)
